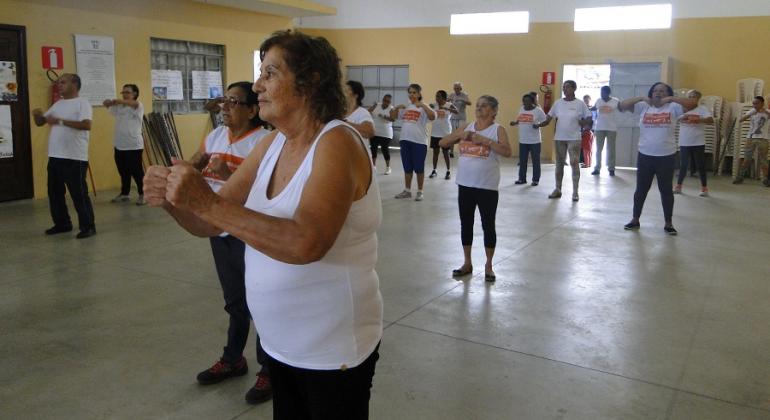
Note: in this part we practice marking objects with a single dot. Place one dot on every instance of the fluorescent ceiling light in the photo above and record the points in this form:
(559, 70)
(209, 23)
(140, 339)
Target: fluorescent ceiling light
(490, 23)
(652, 16)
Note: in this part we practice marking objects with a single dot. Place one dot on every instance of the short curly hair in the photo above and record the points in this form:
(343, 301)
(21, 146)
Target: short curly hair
(316, 68)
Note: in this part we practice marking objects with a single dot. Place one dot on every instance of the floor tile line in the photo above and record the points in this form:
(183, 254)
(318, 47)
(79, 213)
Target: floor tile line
(561, 362)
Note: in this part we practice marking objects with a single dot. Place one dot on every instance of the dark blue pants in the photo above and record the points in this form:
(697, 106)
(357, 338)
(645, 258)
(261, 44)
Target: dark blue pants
(69, 175)
(662, 168)
(228, 257)
(524, 151)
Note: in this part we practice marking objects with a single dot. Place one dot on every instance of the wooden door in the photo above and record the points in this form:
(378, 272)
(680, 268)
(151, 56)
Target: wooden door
(15, 149)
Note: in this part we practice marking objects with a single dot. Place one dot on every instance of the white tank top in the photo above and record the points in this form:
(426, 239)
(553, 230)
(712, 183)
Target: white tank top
(324, 315)
(479, 166)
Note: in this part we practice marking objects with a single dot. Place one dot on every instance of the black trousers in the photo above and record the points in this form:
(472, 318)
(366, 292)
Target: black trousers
(231, 268)
(129, 163)
(698, 155)
(69, 175)
(524, 151)
(300, 394)
(383, 143)
(662, 168)
(486, 200)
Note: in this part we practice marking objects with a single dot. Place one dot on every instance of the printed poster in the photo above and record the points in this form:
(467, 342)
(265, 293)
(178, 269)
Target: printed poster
(6, 135)
(95, 61)
(167, 85)
(8, 85)
(206, 84)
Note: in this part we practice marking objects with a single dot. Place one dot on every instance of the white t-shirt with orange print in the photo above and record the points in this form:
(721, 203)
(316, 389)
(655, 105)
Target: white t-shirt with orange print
(441, 125)
(527, 133)
(656, 128)
(606, 114)
(414, 124)
(225, 147)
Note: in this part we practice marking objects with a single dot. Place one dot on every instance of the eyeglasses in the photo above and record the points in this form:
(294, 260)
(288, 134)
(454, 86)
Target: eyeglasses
(232, 101)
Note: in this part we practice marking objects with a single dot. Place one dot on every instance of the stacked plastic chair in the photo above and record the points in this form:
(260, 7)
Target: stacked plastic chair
(747, 89)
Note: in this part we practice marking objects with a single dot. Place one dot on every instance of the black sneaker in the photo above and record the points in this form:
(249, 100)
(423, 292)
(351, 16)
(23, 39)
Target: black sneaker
(612, 173)
(520, 181)
(447, 175)
(632, 226)
(670, 230)
(595, 172)
(261, 391)
(86, 233)
(223, 370)
(433, 174)
(58, 229)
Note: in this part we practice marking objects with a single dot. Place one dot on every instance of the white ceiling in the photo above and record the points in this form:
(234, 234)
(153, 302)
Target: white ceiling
(432, 13)
(288, 8)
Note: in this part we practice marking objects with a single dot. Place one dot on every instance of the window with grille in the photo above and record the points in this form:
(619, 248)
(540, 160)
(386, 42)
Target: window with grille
(186, 57)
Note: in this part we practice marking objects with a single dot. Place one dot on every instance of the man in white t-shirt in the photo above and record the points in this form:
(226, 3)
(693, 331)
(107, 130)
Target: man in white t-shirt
(606, 128)
(70, 121)
(460, 100)
(128, 141)
(757, 140)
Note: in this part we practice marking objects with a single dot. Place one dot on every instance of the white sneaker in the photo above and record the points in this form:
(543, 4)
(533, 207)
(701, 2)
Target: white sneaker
(387, 170)
(404, 194)
(418, 197)
(140, 201)
(120, 198)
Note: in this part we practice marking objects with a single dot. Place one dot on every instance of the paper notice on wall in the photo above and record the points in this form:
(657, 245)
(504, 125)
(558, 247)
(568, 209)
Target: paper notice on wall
(8, 85)
(95, 60)
(6, 133)
(167, 85)
(206, 84)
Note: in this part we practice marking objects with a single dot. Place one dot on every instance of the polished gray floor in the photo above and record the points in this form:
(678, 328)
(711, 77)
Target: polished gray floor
(585, 321)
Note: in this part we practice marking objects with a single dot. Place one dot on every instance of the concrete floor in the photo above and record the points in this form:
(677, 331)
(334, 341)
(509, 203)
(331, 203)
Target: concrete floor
(585, 321)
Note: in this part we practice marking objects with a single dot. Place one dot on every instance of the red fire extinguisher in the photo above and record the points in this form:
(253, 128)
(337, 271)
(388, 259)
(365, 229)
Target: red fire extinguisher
(54, 78)
(547, 97)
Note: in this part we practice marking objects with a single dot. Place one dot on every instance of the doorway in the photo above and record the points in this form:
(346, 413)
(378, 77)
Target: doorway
(15, 143)
(626, 80)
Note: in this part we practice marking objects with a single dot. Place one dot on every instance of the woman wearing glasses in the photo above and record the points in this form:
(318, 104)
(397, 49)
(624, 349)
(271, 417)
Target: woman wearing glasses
(219, 155)
(128, 141)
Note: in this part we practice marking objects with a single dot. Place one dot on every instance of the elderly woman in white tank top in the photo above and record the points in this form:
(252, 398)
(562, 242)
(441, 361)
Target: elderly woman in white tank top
(482, 142)
(306, 204)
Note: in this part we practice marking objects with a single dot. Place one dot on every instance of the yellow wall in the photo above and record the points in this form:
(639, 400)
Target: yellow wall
(708, 54)
(131, 24)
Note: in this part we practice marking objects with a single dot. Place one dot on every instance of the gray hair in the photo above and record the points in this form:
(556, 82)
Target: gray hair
(492, 101)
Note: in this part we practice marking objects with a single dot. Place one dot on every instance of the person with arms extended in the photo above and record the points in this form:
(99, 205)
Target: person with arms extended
(441, 127)
(128, 141)
(659, 112)
(414, 134)
(70, 121)
(692, 142)
(759, 133)
(306, 203)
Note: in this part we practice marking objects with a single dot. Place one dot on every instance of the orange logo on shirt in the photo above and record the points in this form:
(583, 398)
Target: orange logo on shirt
(468, 149)
(526, 118)
(690, 119)
(441, 114)
(606, 109)
(660, 118)
(232, 162)
(411, 115)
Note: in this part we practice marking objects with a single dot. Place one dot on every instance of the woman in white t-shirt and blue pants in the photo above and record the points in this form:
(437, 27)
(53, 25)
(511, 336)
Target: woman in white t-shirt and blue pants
(659, 111)
(414, 136)
(530, 142)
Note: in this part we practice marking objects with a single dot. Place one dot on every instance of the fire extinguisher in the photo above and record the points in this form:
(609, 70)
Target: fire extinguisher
(547, 91)
(54, 78)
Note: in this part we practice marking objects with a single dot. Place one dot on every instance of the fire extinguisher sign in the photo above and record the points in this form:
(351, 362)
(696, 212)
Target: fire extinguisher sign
(53, 58)
(549, 77)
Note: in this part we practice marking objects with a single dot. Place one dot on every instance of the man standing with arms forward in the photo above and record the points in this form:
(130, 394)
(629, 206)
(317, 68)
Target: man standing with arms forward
(460, 100)
(70, 121)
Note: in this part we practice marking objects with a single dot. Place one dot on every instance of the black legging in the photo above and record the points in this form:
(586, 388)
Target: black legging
(129, 163)
(699, 161)
(467, 199)
(661, 167)
(382, 142)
